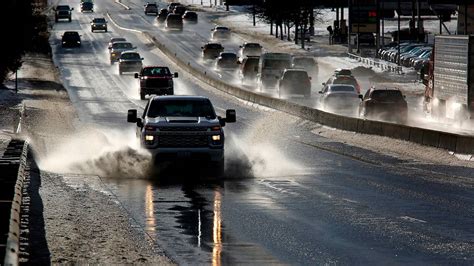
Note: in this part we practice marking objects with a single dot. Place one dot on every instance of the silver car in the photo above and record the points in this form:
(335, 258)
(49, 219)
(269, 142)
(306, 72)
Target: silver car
(117, 48)
(340, 98)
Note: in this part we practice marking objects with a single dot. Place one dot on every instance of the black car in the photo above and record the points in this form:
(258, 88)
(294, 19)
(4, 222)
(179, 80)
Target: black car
(87, 7)
(384, 104)
(62, 12)
(98, 24)
(249, 69)
(162, 15)
(190, 17)
(151, 8)
(180, 10)
(71, 39)
(227, 60)
(174, 22)
(211, 50)
(156, 80)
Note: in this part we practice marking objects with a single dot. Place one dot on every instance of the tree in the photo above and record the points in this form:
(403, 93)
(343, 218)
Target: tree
(18, 29)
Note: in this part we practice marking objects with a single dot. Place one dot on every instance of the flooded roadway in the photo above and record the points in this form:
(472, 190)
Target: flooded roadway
(288, 195)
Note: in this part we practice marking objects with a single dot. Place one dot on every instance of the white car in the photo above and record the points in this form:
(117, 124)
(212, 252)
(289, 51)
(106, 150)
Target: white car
(249, 49)
(220, 33)
(340, 98)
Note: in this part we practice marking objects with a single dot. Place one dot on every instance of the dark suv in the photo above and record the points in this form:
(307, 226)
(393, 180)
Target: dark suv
(174, 22)
(156, 80)
(384, 104)
(211, 50)
(71, 39)
(62, 12)
(151, 8)
(129, 61)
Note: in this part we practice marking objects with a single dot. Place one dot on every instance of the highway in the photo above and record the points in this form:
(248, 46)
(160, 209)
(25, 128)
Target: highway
(288, 196)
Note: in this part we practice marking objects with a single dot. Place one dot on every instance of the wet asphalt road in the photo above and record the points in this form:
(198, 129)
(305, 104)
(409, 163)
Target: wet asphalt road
(288, 196)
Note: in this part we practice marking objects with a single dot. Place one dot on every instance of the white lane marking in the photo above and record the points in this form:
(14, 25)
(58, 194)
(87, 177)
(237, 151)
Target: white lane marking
(411, 219)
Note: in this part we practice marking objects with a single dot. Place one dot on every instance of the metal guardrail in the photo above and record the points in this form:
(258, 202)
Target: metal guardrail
(384, 66)
(12, 169)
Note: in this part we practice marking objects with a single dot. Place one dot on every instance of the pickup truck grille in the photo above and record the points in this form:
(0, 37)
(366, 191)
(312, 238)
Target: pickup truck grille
(157, 83)
(177, 141)
(183, 128)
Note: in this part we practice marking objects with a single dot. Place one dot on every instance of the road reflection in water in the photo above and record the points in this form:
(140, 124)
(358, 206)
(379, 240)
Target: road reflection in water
(150, 222)
(217, 229)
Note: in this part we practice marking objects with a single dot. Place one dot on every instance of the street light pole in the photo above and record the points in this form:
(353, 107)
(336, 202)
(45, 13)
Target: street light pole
(398, 15)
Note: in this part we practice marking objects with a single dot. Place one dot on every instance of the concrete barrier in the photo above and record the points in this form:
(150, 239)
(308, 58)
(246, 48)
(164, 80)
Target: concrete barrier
(456, 143)
(19, 152)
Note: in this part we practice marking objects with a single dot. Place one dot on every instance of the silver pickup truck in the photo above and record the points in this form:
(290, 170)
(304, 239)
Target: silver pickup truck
(182, 128)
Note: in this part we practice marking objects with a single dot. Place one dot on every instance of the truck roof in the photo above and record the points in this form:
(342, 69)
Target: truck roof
(178, 97)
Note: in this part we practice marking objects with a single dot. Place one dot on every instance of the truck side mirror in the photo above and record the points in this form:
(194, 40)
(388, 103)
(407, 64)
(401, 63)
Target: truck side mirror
(72, 8)
(324, 83)
(230, 116)
(361, 97)
(175, 74)
(136, 75)
(132, 116)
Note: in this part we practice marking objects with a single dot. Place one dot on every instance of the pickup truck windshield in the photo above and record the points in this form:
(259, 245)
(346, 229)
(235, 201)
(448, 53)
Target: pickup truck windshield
(181, 108)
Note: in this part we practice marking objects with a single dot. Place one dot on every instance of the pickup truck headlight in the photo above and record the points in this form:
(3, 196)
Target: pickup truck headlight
(216, 137)
(149, 138)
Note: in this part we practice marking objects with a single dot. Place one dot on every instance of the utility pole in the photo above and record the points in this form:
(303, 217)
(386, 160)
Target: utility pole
(253, 13)
(398, 15)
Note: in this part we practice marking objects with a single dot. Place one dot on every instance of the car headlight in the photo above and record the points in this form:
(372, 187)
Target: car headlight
(78, 41)
(64, 42)
(216, 137)
(149, 137)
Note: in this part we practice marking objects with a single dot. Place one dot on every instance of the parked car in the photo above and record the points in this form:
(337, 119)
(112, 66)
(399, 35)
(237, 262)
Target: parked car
(151, 8)
(156, 80)
(340, 98)
(190, 17)
(99, 24)
(227, 60)
(365, 38)
(129, 61)
(249, 69)
(162, 15)
(305, 62)
(384, 104)
(117, 48)
(249, 49)
(71, 39)
(294, 81)
(211, 50)
(87, 7)
(63, 12)
(220, 33)
(342, 77)
(174, 22)
(115, 39)
(405, 59)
